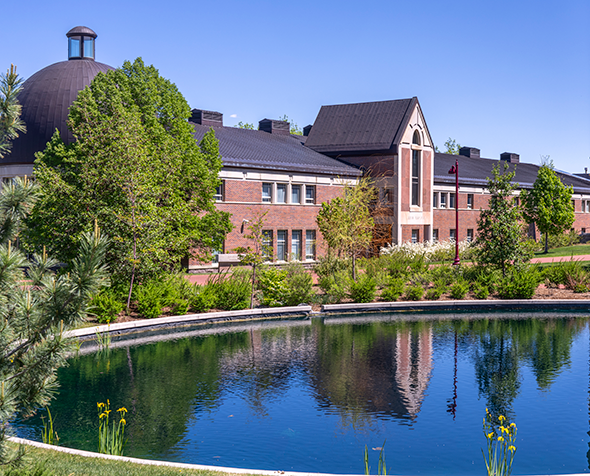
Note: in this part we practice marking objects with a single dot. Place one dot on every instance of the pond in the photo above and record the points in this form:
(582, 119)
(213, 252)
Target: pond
(308, 395)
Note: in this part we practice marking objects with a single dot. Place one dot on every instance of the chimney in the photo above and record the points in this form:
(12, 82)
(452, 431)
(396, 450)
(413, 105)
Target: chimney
(510, 157)
(469, 152)
(271, 126)
(307, 130)
(207, 118)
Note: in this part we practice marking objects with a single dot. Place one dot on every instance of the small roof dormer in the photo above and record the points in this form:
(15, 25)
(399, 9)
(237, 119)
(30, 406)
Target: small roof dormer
(81, 43)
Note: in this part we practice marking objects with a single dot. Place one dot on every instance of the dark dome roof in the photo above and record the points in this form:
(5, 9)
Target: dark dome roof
(46, 98)
(81, 30)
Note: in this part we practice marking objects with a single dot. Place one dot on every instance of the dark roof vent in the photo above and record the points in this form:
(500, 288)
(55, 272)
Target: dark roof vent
(510, 157)
(471, 152)
(275, 127)
(307, 129)
(207, 118)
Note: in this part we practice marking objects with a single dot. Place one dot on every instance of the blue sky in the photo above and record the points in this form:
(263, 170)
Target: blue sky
(502, 76)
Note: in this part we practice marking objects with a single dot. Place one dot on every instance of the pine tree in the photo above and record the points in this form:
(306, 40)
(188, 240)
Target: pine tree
(10, 122)
(36, 309)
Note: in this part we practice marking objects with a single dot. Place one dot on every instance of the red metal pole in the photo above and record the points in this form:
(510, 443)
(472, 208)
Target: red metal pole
(457, 260)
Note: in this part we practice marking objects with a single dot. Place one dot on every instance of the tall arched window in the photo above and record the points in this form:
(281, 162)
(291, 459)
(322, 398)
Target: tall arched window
(416, 169)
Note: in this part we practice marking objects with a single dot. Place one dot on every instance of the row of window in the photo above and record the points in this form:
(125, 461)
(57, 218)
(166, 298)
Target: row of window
(294, 194)
(452, 235)
(447, 200)
(297, 245)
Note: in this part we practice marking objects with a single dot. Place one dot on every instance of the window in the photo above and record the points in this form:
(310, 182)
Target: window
(310, 245)
(281, 193)
(416, 177)
(267, 244)
(219, 192)
(435, 234)
(88, 47)
(451, 200)
(310, 194)
(517, 201)
(470, 201)
(583, 230)
(282, 245)
(267, 192)
(74, 47)
(388, 195)
(415, 236)
(295, 193)
(443, 200)
(470, 234)
(296, 245)
(435, 200)
(453, 234)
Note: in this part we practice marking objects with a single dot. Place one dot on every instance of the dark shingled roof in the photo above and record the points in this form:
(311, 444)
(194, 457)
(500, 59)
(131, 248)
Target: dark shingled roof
(81, 30)
(261, 150)
(46, 98)
(360, 127)
(474, 171)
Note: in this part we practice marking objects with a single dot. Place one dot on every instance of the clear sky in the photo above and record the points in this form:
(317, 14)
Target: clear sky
(502, 76)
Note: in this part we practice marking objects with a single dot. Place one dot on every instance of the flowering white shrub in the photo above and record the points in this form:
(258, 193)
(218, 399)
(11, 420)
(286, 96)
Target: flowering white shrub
(430, 250)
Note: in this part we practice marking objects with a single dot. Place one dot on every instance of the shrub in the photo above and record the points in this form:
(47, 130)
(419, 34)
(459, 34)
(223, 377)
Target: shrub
(272, 283)
(106, 306)
(394, 289)
(520, 283)
(232, 291)
(459, 289)
(203, 299)
(299, 285)
(434, 293)
(414, 292)
(149, 296)
(480, 291)
(364, 289)
(335, 286)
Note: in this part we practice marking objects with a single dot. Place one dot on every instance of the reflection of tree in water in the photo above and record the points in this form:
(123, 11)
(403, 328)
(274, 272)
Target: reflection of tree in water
(368, 370)
(505, 344)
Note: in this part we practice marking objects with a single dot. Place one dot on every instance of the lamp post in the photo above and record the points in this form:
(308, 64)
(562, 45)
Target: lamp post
(455, 170)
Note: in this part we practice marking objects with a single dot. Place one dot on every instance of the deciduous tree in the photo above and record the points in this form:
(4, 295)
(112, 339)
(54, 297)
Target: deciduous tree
(137, 169)
(549, 203)
(501, 237)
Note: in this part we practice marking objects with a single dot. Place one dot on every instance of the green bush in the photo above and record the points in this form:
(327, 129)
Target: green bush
(442, 275)
(106, 306)
(520, 283)
(299, 285)
(335, 286)
(149, 296)
(434, 293)
(364, 289)
(203, 299)
(483, 275)
(232, 291)
(480, 291)
(272, 282)
(414, 292)
(459, 289)
(394, 289)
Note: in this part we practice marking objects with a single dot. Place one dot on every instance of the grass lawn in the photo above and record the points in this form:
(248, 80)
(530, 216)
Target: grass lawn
(565, 251)
(56, 463)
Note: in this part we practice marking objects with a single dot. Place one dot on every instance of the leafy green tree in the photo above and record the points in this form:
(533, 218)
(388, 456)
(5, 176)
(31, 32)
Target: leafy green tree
(137, 169)
(549, 203)
(346, 222)
(10, 122)
(35, 310)
(501, 237)
(245, 125)
(294, 127)
(451, 147)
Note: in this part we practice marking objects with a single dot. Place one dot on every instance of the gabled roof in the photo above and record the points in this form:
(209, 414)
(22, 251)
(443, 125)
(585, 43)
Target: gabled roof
(475, 171)
(262, 150)
(361, 127)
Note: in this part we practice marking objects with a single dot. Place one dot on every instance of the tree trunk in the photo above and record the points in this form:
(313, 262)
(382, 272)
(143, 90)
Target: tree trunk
(253, 284)
(353, 267)
(546, 242)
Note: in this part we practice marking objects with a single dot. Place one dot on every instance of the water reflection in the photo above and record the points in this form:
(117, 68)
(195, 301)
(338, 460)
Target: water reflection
(357, 377)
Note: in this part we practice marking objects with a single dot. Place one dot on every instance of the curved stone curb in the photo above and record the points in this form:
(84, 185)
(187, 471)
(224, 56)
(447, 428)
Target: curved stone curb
(201, 467)
(454, 306)
(187, 319)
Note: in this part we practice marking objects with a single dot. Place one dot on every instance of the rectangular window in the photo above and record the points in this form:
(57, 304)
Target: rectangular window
(219, 192)
(588, 206)
(281, 193)
(267, 192)
(416, 177)
(267, 244)
(415, 236)
(310, 194)
(453, 234)
(282, 245)
(470, 234)
(452, 200)
(517, 201)
(310, 245)
(435, 234)
(296, 245)
(583, 230)
(470, 201)
(435, 200)
(443, 200)
(295, 193)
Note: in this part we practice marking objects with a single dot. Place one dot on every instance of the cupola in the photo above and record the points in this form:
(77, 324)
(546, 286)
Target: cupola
(81, 43)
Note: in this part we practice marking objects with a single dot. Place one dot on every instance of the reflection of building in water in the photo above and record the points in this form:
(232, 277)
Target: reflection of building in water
(381, 371)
